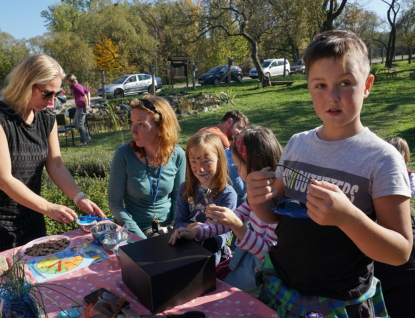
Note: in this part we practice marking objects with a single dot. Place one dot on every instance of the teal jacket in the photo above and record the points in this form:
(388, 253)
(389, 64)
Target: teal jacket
(129, 195)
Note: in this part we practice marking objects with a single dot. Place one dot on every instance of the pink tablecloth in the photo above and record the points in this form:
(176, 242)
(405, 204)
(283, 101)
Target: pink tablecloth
(225, 301)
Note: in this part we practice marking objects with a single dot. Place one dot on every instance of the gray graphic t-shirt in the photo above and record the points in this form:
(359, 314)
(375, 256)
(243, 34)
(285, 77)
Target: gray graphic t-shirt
(322, 260)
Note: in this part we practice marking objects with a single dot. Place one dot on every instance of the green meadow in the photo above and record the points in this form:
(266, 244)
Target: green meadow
(286, 110)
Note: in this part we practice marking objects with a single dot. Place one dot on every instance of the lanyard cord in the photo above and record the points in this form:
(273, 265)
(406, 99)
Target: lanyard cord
(153, 195)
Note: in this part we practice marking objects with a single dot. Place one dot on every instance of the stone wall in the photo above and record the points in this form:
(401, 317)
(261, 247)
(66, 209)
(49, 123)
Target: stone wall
(184, 104)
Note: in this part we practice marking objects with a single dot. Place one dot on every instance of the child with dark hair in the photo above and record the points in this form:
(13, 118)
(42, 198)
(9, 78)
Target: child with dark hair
(342, 196)
(255, 148)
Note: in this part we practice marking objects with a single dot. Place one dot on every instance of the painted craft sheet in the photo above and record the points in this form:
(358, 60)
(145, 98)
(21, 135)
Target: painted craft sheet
(61, 263)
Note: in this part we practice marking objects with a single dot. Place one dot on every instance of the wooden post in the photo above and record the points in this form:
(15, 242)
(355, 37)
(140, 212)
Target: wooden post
(229, 70)
(153, 80)
(285, 59)
(370, 56)
(194, 74)
(104, 96)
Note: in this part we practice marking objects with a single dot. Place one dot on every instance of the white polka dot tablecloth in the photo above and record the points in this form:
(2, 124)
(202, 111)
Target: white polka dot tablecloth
(64, 291)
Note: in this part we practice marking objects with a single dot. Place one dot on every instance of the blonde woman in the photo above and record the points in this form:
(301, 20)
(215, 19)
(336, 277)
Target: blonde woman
(28, 143)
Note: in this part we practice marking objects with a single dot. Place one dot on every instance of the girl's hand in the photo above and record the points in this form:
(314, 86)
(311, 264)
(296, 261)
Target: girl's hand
(90, 207)
(222, 215)
(183, 232)
(260, 186)
(61, 213)
(327, 204)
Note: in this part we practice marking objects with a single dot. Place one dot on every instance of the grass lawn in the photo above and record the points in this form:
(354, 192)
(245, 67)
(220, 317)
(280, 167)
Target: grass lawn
(389, 111)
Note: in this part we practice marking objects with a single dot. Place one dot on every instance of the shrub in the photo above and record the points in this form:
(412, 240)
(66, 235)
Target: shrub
(94, 188)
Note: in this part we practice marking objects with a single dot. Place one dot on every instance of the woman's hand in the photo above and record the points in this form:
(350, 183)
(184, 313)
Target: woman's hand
(60, 213)
(183, 232)
(90, 207)
(222, 215)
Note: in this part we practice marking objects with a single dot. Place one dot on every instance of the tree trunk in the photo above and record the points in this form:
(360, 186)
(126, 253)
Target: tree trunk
(254, 55)
(392, 14)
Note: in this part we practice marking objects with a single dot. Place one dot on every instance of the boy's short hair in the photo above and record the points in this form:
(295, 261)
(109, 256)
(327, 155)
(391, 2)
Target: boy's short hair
(337, 44)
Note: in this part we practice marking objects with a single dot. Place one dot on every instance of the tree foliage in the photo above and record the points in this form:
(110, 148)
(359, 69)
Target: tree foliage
(243, 18)
(106, 55)
(359, 20)
(11, 52)
(407, 27)
(135, 35)
(72, 53)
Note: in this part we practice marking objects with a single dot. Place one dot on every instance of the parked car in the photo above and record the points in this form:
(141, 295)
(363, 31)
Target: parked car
(213, 75)
(131, 84)
(298, 67)
(272, 67)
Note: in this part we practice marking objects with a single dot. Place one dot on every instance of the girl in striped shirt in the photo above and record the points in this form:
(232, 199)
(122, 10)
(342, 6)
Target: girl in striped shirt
(254, 149)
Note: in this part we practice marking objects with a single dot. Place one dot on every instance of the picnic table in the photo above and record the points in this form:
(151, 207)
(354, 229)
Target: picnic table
(390, 71)
(224, 301)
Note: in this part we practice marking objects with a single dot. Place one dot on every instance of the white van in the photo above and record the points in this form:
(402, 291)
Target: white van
(272, 67)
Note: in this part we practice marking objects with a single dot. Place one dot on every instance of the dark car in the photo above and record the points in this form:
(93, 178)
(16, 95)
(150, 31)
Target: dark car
(213, 75)
(298, 67)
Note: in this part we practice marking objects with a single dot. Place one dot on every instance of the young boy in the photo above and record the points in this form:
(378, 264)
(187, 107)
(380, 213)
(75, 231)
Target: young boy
(357, 205)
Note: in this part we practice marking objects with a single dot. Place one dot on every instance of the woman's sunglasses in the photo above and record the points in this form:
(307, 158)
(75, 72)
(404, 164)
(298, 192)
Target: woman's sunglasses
(149, 105)
(47, 95)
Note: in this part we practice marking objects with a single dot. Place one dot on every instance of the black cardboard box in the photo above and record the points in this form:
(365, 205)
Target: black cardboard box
(163, 275)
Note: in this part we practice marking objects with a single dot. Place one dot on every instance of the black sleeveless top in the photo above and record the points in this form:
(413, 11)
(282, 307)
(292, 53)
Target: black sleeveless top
(28, 147)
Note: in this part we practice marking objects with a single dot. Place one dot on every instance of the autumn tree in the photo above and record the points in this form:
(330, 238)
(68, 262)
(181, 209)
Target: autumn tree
(127, 34)
(106, 55)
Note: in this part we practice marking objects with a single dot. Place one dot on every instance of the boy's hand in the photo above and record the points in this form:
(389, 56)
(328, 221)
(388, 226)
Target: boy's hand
(183, 232)
(223, 216)
(259, 186)
(327, 204)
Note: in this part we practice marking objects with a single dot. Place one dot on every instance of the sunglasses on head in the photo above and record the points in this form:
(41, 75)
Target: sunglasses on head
(47, 95)
(149, 105)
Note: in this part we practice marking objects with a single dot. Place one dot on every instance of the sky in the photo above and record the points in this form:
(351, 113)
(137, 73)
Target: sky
(21, 18)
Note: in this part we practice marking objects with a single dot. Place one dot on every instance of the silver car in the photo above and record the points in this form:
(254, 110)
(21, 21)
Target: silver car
(131, 84)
